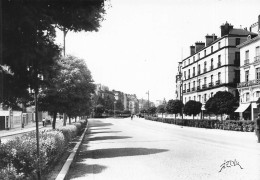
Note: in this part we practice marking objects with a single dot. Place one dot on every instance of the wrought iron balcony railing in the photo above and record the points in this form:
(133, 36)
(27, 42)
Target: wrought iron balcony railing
(249, 83)
(246, 61)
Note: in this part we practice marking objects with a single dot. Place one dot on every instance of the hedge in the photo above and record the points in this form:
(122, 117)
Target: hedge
(19, 156)
(242, 125)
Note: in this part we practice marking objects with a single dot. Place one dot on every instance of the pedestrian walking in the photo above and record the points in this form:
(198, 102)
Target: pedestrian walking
(43, 122)
(257, 129)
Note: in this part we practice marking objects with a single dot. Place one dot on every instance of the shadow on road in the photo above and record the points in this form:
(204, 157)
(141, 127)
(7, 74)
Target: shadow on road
(98, 132)
(81, 170)
(100, 124)
(118, 152)
(101, 138)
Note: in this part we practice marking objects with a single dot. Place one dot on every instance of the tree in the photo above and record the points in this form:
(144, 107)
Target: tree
(161, 109)
(222, 102)
(174, 107)
(99, 109)
(192, 108)
(152, 110)
(28, 38)
(119, 105)
(69, 90)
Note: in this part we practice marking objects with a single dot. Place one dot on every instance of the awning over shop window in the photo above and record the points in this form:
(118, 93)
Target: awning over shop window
(242, 107)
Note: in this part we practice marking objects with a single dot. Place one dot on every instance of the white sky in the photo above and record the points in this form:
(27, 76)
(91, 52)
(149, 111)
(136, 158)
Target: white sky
(140, 42)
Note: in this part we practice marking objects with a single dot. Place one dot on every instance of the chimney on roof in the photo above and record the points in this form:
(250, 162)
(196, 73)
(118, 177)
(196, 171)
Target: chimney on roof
(210, 39)
(225, 28)
(199, 46)
(192, 50)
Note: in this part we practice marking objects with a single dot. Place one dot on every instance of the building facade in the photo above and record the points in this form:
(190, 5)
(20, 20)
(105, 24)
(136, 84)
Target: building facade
(249, 86)
(212, 66)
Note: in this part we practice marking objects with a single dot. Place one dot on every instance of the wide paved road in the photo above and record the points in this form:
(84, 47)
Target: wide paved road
(144, 150)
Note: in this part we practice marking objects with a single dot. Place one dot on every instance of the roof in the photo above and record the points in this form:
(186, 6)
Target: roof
(240, 32)
(249, 41)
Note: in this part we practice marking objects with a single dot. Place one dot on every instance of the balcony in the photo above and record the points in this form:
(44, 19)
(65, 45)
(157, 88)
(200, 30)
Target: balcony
(257, 59)
(249, 83)
(205, 70)
(217, 82)
(246, 62)
(193, 89)
(219, 64)
(210, 84)
(198, 87)
(204, 86)
(188, 90)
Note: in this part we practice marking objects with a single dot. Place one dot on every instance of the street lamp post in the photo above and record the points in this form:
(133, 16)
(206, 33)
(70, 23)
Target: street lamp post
(114, 108)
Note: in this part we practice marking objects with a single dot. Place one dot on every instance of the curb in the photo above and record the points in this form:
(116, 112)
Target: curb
(65, 169)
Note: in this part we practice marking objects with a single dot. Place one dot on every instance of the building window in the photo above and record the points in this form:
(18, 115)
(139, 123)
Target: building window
(237, 59)
(199, 98)
(198, 56)
(211, 49)
(211, 66)
(247, 75)
(189, 73)
(211, 78)
(199, 69)
(257, 53)
(205, 66)
(193, 73)
(189, 85)
(199, 82)
(219, 76)
(185, 100)
(189, 98)
(247, 97)
(193, 58)
(205, 97)
(257, 71)
(193, 86)
(219, 60)
(194, 98)
(185, 87)
(188, 61)
(237, 41)
(219, 45)
(247, 55)
(211, 94)
(205, 80)
(185, 75)
(205, 52)
(257, 93)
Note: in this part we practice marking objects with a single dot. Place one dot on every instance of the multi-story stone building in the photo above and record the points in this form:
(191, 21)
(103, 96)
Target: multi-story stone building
(212, 66)
(249, 86)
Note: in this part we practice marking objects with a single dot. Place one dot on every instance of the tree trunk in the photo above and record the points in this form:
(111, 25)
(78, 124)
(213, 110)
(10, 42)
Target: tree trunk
(54, 120)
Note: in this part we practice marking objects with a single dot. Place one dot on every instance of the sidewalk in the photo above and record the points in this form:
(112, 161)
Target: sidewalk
(30, 127)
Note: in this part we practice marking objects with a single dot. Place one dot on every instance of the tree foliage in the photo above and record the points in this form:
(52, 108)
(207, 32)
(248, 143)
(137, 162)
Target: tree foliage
(174, 106)
(152, 110)
(161, 109)
(69, 91)
(192, 108)
(28, 39)
(222, 102)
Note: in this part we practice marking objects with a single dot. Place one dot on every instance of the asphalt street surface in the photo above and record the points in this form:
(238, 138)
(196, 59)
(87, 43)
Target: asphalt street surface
(146, 150)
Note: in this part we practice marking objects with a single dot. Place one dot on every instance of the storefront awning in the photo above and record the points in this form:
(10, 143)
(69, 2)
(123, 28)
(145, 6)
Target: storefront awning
(242, 107)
